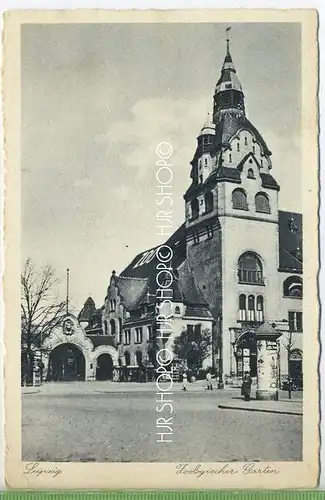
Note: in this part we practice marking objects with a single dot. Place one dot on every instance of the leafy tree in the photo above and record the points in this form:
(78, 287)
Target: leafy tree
(193, 346)
(40, 311)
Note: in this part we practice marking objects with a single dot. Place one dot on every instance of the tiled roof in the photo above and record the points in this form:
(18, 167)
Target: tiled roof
(87, 311)
(268, 181)
(176, 242)
(132, 290)
(197, 312)
(191, 293)
(231, 125)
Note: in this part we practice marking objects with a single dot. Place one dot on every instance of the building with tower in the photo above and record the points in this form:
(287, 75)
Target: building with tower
(237, 258)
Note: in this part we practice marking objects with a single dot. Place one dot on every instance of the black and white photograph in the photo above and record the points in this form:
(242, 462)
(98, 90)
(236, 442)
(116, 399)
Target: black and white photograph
(164, 240)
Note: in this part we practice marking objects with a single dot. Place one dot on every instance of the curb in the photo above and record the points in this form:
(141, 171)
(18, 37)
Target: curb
(262, 410)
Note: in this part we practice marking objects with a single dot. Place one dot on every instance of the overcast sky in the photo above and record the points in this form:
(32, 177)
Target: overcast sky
(96, 101)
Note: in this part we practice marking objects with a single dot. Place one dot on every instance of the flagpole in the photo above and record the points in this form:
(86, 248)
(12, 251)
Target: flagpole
(68, 279)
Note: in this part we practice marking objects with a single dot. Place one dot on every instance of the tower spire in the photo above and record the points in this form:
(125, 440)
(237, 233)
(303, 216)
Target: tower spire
(228, 97)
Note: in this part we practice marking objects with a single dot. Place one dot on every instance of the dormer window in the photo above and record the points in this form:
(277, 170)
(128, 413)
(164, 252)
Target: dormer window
(177, 310)
(228, 86)
(250, 173)
(238, 148)
(245, 141)
(253, 149)
(230, 159)
(200, 179)
(205, 161)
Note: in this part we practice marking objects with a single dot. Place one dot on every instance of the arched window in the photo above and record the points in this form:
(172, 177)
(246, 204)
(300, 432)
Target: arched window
(262, 203)
(177, 310)
(239, 199)
(292, 287)
(208, 201)
(245, 141)
(259, 303)
(105, 327)
(195, 208)
(250, 269)
(251, 308)
(242, 307)
(113, 326)
(250, 173)
(120, 330)
(259, 308)
(238, 146)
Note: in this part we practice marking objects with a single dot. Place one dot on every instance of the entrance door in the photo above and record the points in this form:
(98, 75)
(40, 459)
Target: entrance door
(104, 369)
(67, 363)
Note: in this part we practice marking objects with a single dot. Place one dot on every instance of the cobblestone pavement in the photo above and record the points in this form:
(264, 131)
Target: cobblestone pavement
(101, 422)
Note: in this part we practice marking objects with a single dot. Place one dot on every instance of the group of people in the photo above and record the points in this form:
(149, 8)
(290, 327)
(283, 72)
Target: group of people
(245, 387)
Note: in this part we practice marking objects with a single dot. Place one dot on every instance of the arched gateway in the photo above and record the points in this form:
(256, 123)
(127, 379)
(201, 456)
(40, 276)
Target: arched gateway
(68, 355)
(66, 363)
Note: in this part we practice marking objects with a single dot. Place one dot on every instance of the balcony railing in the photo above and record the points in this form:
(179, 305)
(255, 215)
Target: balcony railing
(251, 316)
(250, 276)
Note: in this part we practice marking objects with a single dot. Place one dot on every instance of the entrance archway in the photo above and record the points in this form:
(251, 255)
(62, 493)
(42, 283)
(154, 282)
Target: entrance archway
(246, 354)
(104, 369)
(67, 363)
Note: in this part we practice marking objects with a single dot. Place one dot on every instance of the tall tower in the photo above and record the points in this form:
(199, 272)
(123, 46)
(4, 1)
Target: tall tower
(232, 215)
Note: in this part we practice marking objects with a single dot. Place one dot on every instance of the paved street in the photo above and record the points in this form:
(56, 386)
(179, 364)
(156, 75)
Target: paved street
(117, 422)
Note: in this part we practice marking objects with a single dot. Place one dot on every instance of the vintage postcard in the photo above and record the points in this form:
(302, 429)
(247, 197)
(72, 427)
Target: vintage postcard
(161, 249)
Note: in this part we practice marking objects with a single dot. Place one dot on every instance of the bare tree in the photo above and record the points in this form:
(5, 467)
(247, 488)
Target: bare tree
(40, 311)
(288, 343)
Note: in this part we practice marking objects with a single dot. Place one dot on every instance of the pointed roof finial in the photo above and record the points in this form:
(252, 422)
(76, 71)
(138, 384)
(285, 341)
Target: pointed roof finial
(227, 39)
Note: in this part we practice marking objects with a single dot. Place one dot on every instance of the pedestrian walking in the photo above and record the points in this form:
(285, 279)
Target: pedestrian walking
(184, 386)
(209, 380)
(246, 387)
